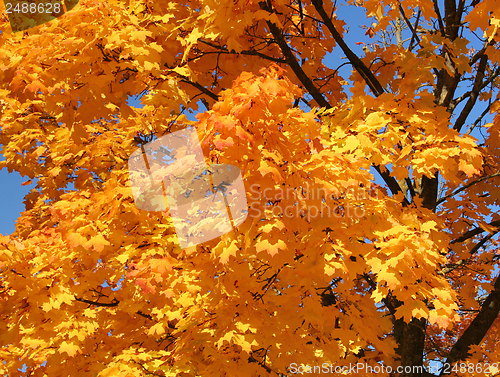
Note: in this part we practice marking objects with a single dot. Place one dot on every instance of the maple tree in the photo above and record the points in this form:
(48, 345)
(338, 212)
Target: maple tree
(371, 234)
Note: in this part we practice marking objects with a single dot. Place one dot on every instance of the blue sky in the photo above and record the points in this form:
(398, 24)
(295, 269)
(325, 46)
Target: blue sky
(11, 199)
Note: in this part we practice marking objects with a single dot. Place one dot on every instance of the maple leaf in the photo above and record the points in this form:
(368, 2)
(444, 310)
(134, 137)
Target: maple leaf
(146, 285)
(157, 329)
(228, 251)
(265, 168)
(271, 248)
(223, 143)
(97, 242)
(70, 348)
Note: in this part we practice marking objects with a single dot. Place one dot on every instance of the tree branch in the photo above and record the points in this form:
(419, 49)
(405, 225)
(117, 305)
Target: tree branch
(440, 19)
(200, 87)
(391, 182)
(481, 52)
(292, 61)
(467, 186)
(412, 29)
(480, 117)
(111, 304)
(309, 85)
(452, 266)
(245, 52)
(415, 35)
(478, 328)
(356, 62)
(490, 78)
(474, 94)
(474, 232)
(451, 13)
(476, 248)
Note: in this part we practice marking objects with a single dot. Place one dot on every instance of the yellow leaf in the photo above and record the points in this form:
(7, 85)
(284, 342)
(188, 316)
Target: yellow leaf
(183, 71)
(229, 251)
(157, 329)
(66, 298)
(351, 143)
(467, 168)
(70, 348)
(149, 66)
(441, 320)
(33, 343)
(97, 243)
(272, 249)
(377, 295)
(265, 169)
(90, 313)
(190, 40)
(390, 278)
(428, 225)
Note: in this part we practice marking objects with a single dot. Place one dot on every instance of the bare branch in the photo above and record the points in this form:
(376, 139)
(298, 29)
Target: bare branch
(474, 250)
(480, 244)
(467, 186)
(391, 182)
(478, 328)
(413, 29)
(481, 52)
(111, 304)
(292, 61)
(480, 117)
(490, 78)
(223, 50)
(356, 62)
(440, 19)
(474, 232)
(200, 87)
(474, 94)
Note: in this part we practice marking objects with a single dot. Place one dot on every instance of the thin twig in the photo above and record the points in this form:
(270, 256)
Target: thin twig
(467, 186)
